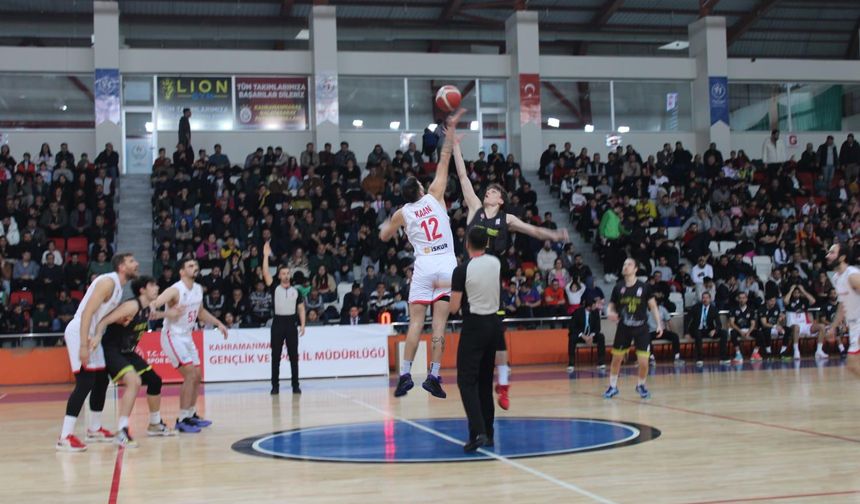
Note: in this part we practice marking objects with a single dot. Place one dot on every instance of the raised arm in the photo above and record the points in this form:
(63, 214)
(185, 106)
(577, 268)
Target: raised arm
(473, 203)
(440, 181)
(518, 226)
(267, 276)
(390, 227)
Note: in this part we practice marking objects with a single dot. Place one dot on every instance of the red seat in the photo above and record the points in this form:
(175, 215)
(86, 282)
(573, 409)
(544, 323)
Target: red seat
(60, 243)
(19, 296)
(77, 244)
(77, 295)
(806, 180)
(430, 167)
(529, 266)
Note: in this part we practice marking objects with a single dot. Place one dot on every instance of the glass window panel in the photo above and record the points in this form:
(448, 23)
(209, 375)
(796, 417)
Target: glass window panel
(137, 89)
(493, 93)
(757, 106)
(422, 99)
(817, 107)
(653, 106)
(46, 101)
(368, 103)
(575, 104)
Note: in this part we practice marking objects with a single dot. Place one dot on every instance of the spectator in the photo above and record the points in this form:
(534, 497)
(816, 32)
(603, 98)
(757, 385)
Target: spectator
(218, 159)
(584, 328)
(24, 272)
(773, 151)
(574, 290)
(554, 300)
(108, 160)
(703, 322)
(355, 298)
(849, 158)
(546, 258)
(353, 317)
(185, 127)
(100, 266)
(309, 157)
(344, 155)
(261, 304)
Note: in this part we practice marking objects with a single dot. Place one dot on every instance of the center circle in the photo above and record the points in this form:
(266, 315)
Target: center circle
(441, 440)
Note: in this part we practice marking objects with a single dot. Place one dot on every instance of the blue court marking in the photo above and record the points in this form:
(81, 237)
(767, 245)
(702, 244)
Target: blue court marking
(393, 441)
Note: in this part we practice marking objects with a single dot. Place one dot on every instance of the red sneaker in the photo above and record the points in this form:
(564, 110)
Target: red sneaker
(756, 357)
(504, 401)
(70, 444)
(100, 436)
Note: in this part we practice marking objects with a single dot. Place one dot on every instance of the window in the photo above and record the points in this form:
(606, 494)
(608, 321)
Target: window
(757, 106)
(368, 103)
(571, 105)
(46, 101)
(422, 100)
(137, 90)
(653, 106)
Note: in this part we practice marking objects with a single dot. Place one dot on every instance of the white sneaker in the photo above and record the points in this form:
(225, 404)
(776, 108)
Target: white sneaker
(796, 355)
(700, 363)
(820, 355)
(100, 436)
(160, 429)
(123, 438)
(602, 367)
(739, 359)
(569, 369)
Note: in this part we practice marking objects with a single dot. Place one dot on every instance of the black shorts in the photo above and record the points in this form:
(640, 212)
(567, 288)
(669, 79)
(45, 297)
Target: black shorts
(119, 363)
(626, 336)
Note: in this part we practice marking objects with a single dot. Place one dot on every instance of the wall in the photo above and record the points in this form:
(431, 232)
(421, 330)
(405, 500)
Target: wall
(21, 141)
(362, 142)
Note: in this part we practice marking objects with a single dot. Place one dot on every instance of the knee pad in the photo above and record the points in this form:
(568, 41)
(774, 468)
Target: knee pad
(153, 383)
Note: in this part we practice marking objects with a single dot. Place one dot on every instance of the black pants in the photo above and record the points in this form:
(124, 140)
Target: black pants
(698, 335)
(92, 383)
(476, 355)
(763, 339)
(735, 337)
(575, 339)
(671, 336)
(284, 329)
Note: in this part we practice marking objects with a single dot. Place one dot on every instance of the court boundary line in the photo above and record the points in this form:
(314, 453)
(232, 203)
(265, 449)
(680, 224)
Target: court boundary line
(117, 475)
(493, 455)
(3, 396)
(731, 418)
(779, 497)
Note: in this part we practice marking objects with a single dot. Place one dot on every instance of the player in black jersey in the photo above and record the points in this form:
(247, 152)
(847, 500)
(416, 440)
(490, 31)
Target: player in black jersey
(121, 330)
(826, 316)
(488, 214)
(742, 325)
(628, 306)
(771, 322)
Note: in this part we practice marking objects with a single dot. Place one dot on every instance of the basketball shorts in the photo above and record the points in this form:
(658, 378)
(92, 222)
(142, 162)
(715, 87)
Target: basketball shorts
(428, 271)
(121, 363)
(179, 349)
(804, 330)
(72, 335)
(625, 336)
(854, 337)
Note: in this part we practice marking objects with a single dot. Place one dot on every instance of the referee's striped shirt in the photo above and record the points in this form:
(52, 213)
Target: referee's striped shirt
(478, 280)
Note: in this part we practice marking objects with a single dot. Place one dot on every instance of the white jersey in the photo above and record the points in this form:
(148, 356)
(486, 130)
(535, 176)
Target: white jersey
(848, 297)
(103, 309)
(428, 227)
(189, 303)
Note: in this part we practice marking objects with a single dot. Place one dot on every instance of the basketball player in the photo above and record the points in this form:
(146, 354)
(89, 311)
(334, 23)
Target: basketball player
(102, 296)
(631, 298)
(122, 329)
(187, 297)
(428, 229)
(800, 323)
(847, 282)
(826, 316)
(488, 214)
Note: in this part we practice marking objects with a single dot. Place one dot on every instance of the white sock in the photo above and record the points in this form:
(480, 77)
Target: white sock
(183, 414)
(641, 381)
(123, 423)
(95, 420)
(504, 373)
(841, 347)
(613, 380)
(755, 350)
(820, 347)
(192, 411)
(782, 350)
(677, 356)
(406, 367)
(434, 368)
(797, 348)
(68, 426)
(155, 418)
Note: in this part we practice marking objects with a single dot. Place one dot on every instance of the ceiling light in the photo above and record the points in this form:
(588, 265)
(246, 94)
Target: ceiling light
(553, 122)
(148, 126)
(678, 45)
(64, 107)
(623, 129)
(394, 125)
(358, 123)
(473, 125)
(589, 128)
(303, 34)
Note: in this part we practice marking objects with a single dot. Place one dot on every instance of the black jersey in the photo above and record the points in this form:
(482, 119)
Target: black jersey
(743, 317)
(797, 305)
(771, 315)
(125, 337)
(828, 311)
(497, 231)
(631, 303)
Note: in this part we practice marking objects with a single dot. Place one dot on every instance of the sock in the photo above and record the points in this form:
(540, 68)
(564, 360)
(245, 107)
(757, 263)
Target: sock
(68, 426)
(820, 347)
(183, 414)
(841, 347)
(123, 423)
(755, 350)
(677, 356)
(782, 350)
(613, 381)
(95, 420)
(192, 411)
(641, 381)
(434, 368)
(155, 418)
(767, 349)
(504, 374)
(797, 348)
(406, 367)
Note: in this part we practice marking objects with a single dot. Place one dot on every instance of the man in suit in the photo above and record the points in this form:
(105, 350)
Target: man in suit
(353, 317)
(584, 327)
(704, 322)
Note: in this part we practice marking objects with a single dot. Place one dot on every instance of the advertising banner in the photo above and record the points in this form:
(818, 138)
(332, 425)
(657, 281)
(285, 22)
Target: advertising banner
(272, 103)
(327, 351)
(326, 98)
(106, 91)
(529, 99)
(718, 94)
(209, 98)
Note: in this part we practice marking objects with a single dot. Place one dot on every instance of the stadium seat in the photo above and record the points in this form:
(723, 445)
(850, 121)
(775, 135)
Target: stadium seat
(587, 190)
(18, 296)
(763, 271)
(678, 300)
(77, 244)
(673, 232)
(762, 259)
(714, 247)
(726, 246)
(342, 289)
(77, 295)
(60, 243)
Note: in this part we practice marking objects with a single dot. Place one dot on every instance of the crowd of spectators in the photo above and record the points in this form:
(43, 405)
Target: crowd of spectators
(57, 231)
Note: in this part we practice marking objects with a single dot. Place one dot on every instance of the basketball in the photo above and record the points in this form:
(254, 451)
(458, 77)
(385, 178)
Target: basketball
(448, 98)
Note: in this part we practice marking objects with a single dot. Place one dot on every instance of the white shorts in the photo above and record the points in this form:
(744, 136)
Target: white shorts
(72, 335)
(805, 330)
(430, 269)
(854, 337)
(179, 349)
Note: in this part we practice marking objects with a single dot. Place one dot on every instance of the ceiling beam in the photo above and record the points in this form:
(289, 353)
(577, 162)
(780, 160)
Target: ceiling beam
(287, 7)
(609, 8)
(744, 23)
(852, 50)
(706, 7)
(451, 9)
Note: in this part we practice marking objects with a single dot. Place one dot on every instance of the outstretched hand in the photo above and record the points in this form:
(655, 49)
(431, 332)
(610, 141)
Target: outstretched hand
(267, 249)
(453, 119)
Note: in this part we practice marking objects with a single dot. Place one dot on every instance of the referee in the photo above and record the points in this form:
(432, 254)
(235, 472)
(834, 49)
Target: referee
(475, 287)
(289, 313)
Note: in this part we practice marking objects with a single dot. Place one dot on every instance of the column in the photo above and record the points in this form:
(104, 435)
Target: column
(323, 45)
(710, 88)
(524, 114)
(107, 92)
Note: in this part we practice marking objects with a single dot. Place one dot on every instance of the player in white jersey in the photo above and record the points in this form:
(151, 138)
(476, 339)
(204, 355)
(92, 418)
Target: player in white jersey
(846, 280)
(184, 300)
(425, 218)
(103, 295)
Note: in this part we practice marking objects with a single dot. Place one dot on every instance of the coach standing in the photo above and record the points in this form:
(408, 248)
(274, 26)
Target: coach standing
(475, 287)
(289, 312)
